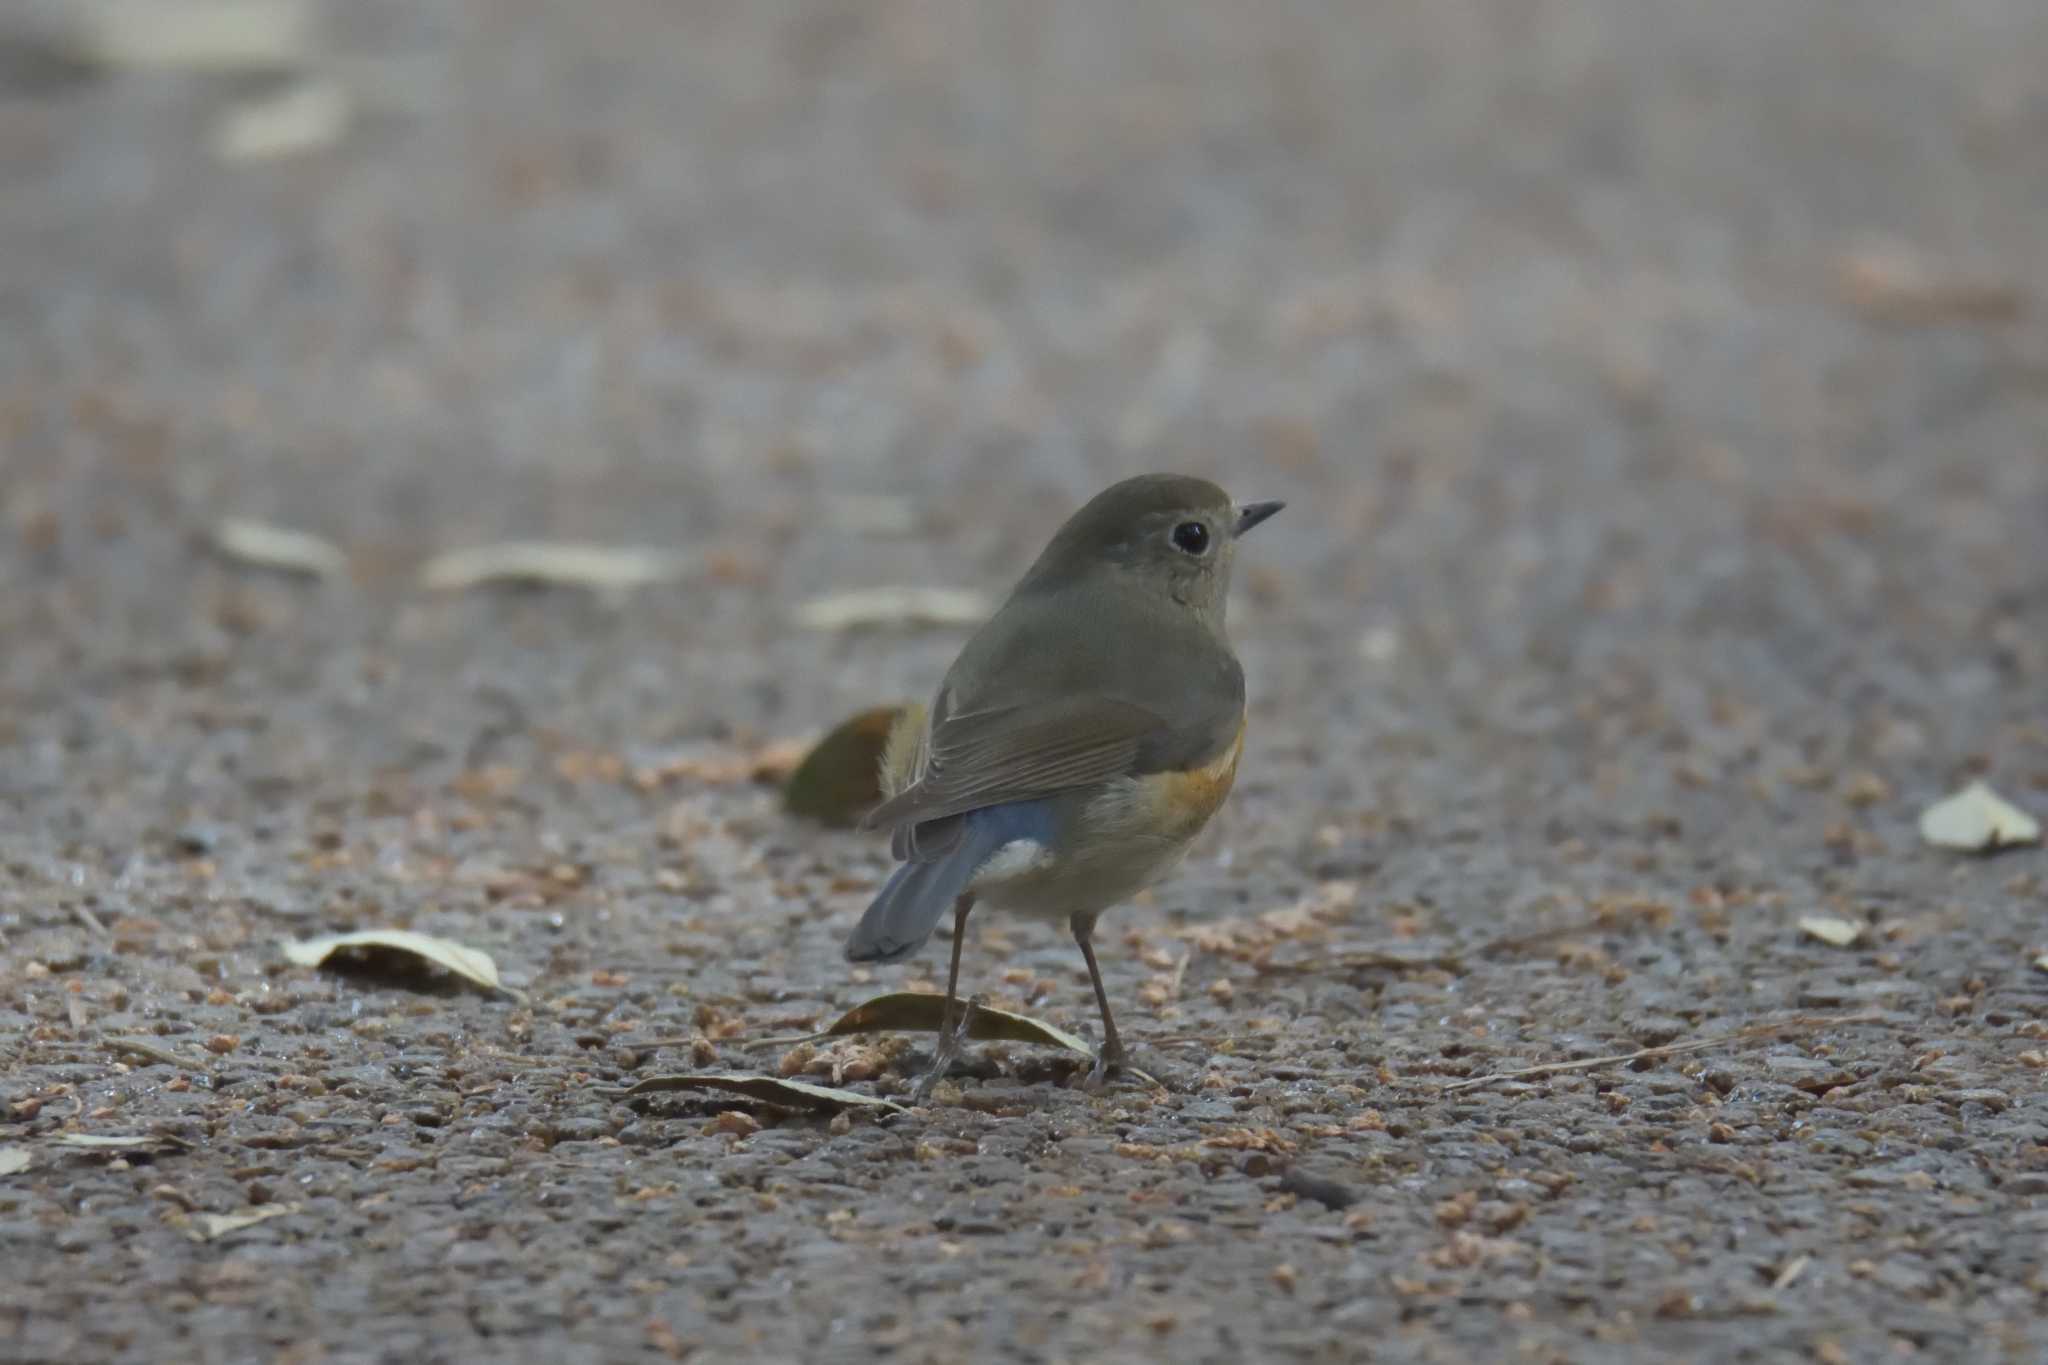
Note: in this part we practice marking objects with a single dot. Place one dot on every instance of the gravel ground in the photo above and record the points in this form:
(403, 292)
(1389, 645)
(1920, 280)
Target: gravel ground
(1661, 392)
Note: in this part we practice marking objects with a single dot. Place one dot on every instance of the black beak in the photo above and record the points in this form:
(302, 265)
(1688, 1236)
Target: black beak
(1252, 513)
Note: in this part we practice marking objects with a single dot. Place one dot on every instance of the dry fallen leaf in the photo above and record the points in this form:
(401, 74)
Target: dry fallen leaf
(277, 547)
(604, 568)
(921, 1011)
(839, 780)
(893, 607)
(773, 1089)
(468, 963)
(214, 35)
(212, 1226)
(304, 116)
(1977, 820)
(13, 1160)
(118, 1142)
(151, 1052)
(1891, 282)
(1831, 929)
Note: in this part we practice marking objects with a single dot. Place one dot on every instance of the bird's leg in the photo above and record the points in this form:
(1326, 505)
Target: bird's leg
(1111, 1057)
(951, 1030)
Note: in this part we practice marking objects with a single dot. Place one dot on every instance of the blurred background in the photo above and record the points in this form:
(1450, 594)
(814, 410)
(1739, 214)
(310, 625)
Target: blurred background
(1573, 327)
(1660, 392)
(1645, 346)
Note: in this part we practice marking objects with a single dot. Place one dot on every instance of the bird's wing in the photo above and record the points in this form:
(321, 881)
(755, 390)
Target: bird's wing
(1015, 753)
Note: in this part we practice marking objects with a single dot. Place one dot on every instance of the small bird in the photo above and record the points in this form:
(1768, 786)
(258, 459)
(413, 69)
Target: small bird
(1080, 742)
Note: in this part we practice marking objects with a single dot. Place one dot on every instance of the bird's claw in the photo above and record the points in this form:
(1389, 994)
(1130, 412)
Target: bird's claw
(948, 1050)
(1109, 1062)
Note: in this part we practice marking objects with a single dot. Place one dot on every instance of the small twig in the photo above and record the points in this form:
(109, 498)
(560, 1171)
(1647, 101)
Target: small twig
(1510, 944)
(648, 1044)
(1794, 1268)
(137, 1047)
(89, 919)
(1201, 1040)
(1802, 1024)
(1180, 973)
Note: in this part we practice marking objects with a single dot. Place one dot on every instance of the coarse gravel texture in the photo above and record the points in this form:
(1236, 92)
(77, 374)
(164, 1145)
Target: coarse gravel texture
(1660, 391)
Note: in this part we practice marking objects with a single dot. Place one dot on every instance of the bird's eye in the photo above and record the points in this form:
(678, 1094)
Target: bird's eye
(1191, 536)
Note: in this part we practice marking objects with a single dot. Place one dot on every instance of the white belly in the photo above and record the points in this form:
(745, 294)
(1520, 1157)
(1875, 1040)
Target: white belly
(1023, 878)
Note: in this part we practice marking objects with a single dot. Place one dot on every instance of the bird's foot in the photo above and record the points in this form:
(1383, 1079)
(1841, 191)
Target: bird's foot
(1116, 1064)
(1109, 1061)
(948, 1051)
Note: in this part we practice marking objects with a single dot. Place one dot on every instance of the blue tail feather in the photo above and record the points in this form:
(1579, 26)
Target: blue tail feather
(918, 894)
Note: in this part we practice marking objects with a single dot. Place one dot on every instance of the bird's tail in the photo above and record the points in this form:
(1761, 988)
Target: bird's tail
(908, 909)
(914, 899)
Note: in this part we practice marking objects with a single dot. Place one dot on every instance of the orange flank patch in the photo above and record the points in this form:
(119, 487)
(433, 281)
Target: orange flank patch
(1186, 800)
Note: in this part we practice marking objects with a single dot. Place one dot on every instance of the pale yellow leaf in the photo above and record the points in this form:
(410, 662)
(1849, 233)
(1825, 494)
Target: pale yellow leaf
(1977, 820)
(215, 35)
(773, 1089)
(211, 1226)
(1831, 929)
(13, 1160)
(603, 568)
(117, 1142)
(471, 964)
(893, 606)
(304, 116)
(277, 547)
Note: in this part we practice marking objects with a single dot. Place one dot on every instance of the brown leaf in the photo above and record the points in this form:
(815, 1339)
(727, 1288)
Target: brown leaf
(839, 780)
(1890, 282)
